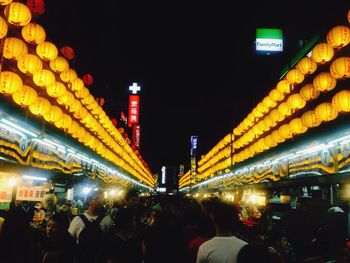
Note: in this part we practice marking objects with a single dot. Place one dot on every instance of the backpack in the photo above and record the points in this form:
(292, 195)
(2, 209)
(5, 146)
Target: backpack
(90, 239)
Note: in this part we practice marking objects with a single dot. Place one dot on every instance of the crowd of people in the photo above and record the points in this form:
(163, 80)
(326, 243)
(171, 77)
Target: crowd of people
(170, 229)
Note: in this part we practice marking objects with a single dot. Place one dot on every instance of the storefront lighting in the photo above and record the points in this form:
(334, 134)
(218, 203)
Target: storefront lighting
(2, 125)
(35, 178)
(54, 143)
(11, 182)
(18, 127)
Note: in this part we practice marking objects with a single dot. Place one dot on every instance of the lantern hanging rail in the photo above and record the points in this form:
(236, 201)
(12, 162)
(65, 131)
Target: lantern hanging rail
(15, 126)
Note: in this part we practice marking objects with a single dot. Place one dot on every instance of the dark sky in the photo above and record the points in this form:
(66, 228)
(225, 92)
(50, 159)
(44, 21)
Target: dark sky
(195, 60)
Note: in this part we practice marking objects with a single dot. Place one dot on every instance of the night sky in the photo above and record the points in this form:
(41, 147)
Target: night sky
(195, 60)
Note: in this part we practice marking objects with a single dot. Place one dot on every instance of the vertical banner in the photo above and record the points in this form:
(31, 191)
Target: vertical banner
(194, 141)
(136, 134)
(134, 106)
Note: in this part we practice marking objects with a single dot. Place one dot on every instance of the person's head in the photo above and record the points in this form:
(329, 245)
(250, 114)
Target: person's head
(95, 202)
(125, 220)
(37, 206)
(132, 198)
(59, 222)
(225, 217)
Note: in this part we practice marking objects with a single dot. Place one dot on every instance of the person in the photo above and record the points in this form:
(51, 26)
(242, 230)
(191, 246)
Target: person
(39, 215)
(224, 247)
(131, 199)
(58, 245)
(95, 215)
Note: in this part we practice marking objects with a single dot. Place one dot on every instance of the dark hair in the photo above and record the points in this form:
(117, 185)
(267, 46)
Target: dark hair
(62, 219)
(225, 216)
(131, 193)
(124, 216)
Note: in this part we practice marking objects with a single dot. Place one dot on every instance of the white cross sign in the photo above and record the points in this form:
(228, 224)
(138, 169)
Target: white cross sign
(134, 88)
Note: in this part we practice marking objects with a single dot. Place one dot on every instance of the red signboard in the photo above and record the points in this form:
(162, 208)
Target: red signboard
(134, 106)
(136, 132)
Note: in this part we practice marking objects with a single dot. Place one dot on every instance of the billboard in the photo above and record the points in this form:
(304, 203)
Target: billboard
(269, 40)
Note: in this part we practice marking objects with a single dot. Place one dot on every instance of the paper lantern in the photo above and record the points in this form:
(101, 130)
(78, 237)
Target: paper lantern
(276, 116)
(338, 36)
(88, 100)
(322, 53)
(5, 2)
(3, 28)
(33, 33)
(53, 115)
(324, 82)
(14, 48)
(17, 14)
(73, 128)
(262, 108)
(295, 101)
(69, 75)
(56, 89)
(269, 122)
(269, 102)
(88, 80)
(340, 68)
(67, 99)
(121, 130)
(341, 101)
(80, 114)
(37, 7)
(92, 106)
(285, 131)
(262, 126)
(284, 86)
(276, 95)
(68, 52)
(64, 122)
(309, 92)
(47, 51)
(29, 64)
(100, 101)
(75, 106)
(294, 76)
(40, 107)
(306, 65)
(326, 111)
(59, 64)
(277, 137)
(269, 141)
(25, 96)
(296, 126)
(310, 120)
(83, 93)
(76, 85)
(257, 114)
(9, 82)
(284, 109)
(43, 78)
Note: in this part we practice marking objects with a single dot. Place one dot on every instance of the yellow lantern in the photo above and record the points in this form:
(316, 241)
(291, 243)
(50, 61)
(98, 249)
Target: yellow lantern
(262, 126)
(43, 78)
(262, 108)
(296, 126)
(295, 101)
(56, 90)
(326, 111)
(17, 14)
(47, 51)
(322, 53)
(269, 141)
(276, 116)
(69, 75)
(310, 120)
(5, 2)
(3, 28)
(73, 128)
(9, 82)
(294, 76)
(76, 85)
(277, 137)
(64, 122)
(75, 106)
(324, 82)
(81, 113)
(83, 93)
(33, 33)
(40, 107)
(67, 99)
(59, 64)
(309, 92)
(338, 36)
(88, 100)
(257, 113)
(269, 102)
(306, 65)
(284, 109)
(14, 48)
(276, 95)
(53, 115)
(29, 64)
(340, 68)
(284, 86)
(25, 96)
(285, 131)
(342, 101)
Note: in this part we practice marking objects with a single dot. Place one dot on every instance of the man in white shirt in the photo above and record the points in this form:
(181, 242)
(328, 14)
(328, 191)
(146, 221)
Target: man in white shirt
(224, 247)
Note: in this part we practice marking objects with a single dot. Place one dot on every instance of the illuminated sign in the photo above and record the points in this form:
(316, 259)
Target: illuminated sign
(194, 140)
(136, 132)
(134, 106)
(163, 174)
(269, 40)
(134, 88)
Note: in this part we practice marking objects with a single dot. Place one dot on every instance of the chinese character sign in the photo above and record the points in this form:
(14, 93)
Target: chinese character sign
(134, 106)
(194, 140)
(136, 132)
(30, 193)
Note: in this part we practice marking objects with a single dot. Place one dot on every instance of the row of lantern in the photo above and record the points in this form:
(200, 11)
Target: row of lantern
(30, 64)
(260, 121)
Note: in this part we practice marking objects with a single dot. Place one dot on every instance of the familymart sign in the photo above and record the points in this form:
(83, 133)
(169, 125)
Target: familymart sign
(269, 40)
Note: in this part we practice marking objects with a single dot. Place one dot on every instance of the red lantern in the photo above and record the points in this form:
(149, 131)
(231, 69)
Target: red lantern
(100, 101)
(88, 80)
(125, 135)
(121, 130)
(68, 52)
(114, 121)
(37, 7)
